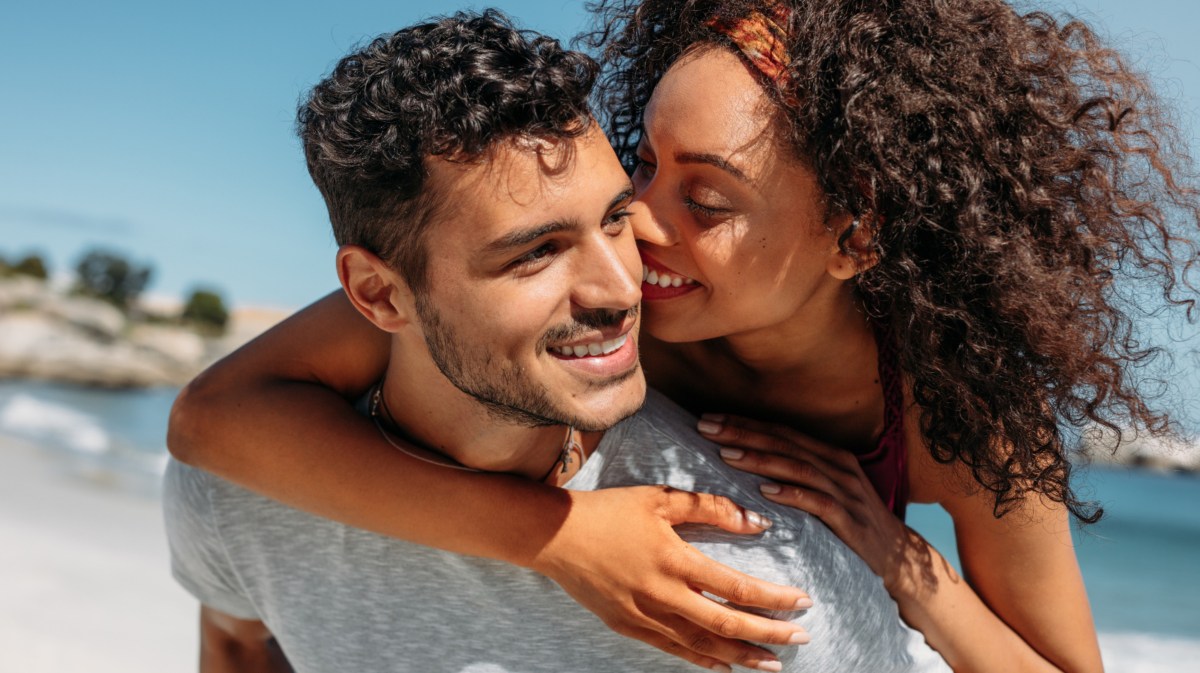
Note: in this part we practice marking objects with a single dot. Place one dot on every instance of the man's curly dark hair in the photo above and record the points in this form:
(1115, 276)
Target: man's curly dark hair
(453, 88)
(1025, 189)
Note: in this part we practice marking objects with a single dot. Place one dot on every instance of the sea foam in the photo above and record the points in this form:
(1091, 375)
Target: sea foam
(1148, 653)
(59, 425)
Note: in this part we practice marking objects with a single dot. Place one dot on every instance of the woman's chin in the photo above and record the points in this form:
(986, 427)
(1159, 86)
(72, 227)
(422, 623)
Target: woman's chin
(675, 329)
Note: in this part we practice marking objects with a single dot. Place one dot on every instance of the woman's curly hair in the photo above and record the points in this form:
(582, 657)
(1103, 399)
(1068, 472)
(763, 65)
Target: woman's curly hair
(452, 87)
(1023, 189)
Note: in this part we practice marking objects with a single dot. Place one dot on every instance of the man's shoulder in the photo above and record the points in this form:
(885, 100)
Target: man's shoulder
(660, 445)
(201, 500)
(666, 424)
(670, 420)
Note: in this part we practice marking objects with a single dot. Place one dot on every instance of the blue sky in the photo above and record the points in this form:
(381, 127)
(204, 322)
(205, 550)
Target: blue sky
(164, 130)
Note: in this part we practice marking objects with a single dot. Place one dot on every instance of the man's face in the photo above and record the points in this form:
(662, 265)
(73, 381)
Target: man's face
(534, 282)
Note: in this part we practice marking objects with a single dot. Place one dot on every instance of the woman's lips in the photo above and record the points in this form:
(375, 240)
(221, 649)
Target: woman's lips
(658, 282)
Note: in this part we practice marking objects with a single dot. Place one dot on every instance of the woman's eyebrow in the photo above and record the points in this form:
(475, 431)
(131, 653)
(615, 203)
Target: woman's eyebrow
(712, 160)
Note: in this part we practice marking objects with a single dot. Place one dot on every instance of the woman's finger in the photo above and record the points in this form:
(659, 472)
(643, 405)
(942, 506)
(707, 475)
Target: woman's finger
(821, 505)
(740, 589)
(730, 622)
(772, 437)
(686, 507)
(773, 466)
(677, 649)
(704, 574)
(745, 437)
(709, 643)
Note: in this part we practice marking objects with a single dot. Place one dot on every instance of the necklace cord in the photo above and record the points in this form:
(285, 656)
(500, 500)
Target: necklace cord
(378, 403)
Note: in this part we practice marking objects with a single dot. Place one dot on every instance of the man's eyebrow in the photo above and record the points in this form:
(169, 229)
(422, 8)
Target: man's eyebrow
(524, 237)
(712, 160)
(625, 195)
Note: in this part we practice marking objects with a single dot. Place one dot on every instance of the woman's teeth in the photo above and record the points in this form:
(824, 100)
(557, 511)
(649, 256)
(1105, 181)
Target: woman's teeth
(664, 279)
(593, 349)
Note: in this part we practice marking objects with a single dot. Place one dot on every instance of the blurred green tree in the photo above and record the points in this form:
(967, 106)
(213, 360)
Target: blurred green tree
(31, 265)
(109, 276)
(206, 309)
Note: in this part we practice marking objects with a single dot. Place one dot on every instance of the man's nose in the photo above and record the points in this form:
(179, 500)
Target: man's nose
(611, 278)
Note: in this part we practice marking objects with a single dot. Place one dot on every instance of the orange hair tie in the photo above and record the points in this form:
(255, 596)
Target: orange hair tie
(762, 38)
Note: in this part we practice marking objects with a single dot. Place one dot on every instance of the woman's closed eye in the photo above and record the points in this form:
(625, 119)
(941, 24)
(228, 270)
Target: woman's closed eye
(643, 169)
(706, 211)
(707, 203)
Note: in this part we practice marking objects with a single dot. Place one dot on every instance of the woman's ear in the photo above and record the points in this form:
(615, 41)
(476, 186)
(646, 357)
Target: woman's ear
(377, 291)
(854, 250)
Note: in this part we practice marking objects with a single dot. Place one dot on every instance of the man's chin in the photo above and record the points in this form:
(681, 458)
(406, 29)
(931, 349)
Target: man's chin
(619, 401)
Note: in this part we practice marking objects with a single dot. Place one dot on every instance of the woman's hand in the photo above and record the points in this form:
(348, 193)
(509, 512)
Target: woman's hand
(824, 481)
(618, 555)
(1035, 617)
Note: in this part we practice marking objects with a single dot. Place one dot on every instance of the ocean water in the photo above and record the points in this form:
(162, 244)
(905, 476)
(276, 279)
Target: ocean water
(117, 437)
(1141, 563)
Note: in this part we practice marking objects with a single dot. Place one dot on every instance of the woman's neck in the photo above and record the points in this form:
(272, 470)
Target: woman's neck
(817, 373)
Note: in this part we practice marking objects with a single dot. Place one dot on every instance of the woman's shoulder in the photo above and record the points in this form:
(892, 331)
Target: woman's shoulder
(954, 487)
(929, 480)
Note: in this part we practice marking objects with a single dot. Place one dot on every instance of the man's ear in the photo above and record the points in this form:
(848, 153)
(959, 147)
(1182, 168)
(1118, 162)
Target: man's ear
(854, 250)
(378, 292)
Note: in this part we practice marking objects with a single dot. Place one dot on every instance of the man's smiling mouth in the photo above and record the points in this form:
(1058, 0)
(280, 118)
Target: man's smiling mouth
(591, 349)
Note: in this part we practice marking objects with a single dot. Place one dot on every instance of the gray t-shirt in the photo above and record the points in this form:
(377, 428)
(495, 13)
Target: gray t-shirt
(342, 599)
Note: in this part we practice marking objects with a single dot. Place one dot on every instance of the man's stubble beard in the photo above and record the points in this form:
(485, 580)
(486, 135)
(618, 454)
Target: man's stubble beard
(507, 394)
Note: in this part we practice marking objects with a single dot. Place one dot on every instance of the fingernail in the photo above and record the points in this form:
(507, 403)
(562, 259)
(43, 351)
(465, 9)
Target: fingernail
(732, 454)
(772, 666)
(708, 427)
(770, 489)
(757, 519)
(803, 604)
(723, 668)
(799, 638)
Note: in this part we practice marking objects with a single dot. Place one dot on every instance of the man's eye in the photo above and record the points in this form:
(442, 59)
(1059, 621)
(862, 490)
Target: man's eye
(616, 222)
(533, 256)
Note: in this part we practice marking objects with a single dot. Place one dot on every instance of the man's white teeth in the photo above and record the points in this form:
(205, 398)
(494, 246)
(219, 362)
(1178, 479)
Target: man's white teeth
(593, 349)
(664, 279)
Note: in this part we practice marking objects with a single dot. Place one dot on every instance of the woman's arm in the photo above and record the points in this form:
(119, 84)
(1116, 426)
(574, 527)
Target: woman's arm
(1022, 606)
(276, 417)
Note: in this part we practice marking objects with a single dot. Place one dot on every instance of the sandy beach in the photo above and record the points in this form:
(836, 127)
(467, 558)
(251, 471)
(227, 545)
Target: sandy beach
(87, 585)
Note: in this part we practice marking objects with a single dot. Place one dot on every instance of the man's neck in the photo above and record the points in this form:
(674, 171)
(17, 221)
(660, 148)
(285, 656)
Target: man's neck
(430, 411)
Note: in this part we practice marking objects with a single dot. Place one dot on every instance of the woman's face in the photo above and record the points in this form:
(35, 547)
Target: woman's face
(735, 222)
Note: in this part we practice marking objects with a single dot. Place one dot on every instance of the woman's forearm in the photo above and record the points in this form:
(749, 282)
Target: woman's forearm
(306, 446)
(935, 600)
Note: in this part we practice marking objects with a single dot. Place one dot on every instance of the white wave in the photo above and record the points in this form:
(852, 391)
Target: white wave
(1148, 653)
(42, 421)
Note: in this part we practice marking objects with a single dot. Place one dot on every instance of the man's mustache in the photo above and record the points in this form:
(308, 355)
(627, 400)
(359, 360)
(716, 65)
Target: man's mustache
(585, 322)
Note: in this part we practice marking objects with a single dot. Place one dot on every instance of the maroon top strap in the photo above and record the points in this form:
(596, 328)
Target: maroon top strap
(886, 465)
